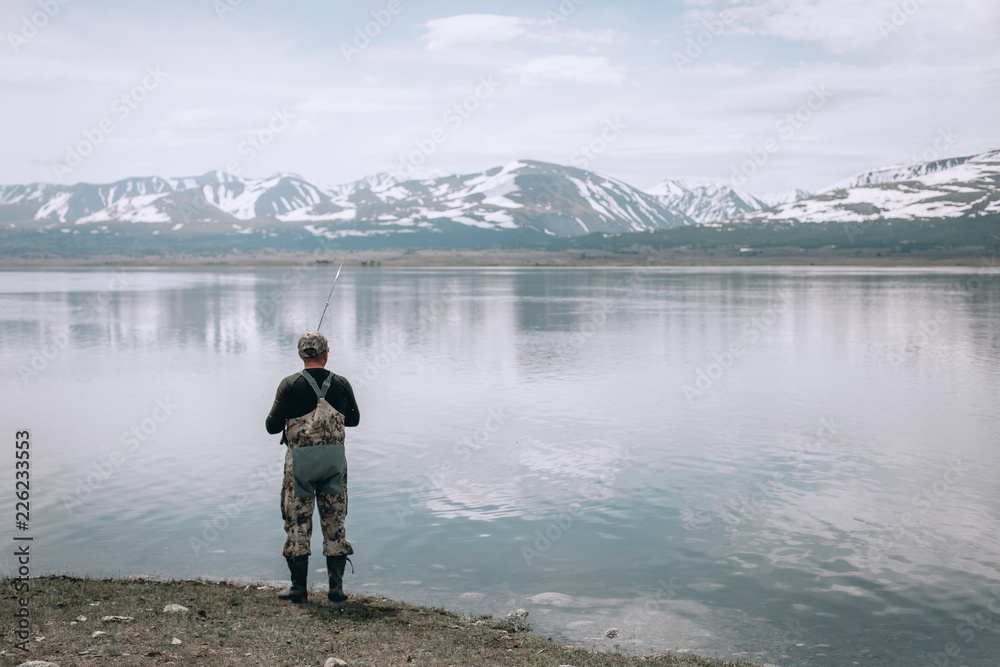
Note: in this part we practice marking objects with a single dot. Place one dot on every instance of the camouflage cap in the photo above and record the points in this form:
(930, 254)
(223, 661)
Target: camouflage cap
(312, 344)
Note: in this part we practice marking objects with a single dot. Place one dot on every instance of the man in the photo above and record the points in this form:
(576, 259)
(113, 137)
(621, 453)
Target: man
(311, 409)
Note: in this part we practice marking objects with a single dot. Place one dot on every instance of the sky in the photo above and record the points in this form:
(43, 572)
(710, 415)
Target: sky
(766, 95)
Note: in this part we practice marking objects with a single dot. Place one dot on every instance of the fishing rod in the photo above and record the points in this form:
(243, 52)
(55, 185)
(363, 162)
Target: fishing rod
(337, 277)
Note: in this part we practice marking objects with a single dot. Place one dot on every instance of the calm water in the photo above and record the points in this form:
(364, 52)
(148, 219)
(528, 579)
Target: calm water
(799, 465)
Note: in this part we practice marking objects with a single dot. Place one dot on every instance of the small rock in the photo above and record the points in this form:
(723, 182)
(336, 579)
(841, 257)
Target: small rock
(38, 663)
(334, 662)
(175, 640)
(613, 632)
(516, 619)
(98, 633)
(81, 618)
(174, 607)
(117, 619)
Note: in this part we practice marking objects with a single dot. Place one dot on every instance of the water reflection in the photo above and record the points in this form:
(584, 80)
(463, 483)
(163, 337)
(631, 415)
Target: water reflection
(590, 433)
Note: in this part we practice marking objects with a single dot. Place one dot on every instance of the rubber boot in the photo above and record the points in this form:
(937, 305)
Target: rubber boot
(335, 568)
(299, 569)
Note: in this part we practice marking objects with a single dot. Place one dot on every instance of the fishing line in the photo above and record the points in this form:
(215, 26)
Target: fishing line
(337, 277)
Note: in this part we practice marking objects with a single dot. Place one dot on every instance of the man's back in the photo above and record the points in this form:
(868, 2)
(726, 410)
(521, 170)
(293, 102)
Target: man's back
(296, 398)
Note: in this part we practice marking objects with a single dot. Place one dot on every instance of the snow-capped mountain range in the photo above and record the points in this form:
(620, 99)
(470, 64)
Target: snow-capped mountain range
(156, 199)
(550, 199)
(536, 198)
(952, 188)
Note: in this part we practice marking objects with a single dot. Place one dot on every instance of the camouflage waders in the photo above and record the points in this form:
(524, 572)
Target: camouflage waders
(323, 481)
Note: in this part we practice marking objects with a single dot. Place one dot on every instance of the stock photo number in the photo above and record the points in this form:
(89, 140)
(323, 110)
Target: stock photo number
(22, 491)
(22, 475)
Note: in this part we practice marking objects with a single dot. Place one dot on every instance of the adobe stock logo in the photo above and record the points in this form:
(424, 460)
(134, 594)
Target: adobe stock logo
(599, 145)
(258, 140)
(99, 472)
(363, 35)
(122, 108)
(713, 28)
(453, 118)
(751, 332)
(786, 128)
(32, 25)
(901, 15)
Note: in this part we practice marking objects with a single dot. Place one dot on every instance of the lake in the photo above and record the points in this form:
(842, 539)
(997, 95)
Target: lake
(796, 466)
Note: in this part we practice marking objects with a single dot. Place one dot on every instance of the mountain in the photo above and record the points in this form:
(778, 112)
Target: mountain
(705, 202)
(550, 199)
(376, 182)
(74, 202)
(528, 196)
(772, 199)
(956, 187)
(521, 202)
(219, 196)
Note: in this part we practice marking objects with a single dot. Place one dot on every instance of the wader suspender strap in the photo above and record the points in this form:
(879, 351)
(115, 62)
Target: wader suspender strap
(320, 393)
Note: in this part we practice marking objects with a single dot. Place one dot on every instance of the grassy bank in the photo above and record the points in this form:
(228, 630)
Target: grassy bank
(228, 624)
(896, 243)
(971, 257)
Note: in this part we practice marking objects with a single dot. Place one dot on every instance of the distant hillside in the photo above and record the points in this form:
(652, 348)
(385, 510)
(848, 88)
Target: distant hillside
(528, 196)
(974, 238)
(522, 203)
(953, 188)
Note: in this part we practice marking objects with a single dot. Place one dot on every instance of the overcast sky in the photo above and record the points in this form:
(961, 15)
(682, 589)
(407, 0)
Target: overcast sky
(767, 94)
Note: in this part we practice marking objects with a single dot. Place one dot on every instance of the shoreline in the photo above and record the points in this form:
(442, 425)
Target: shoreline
(522, 258)
(72, 621)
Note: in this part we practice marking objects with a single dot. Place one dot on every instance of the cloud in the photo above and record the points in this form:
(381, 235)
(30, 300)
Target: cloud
(192, 116)
(839, 25)
(487, 29)
(572, 69)
(842, 26)
(359, 99)
(472, 29)
(890, 95)
(304, 128)
(606, 37)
